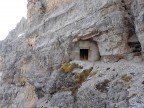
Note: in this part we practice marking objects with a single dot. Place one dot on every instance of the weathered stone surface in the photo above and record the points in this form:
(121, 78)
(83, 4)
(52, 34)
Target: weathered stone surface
(53, 33)
(110, 21)
(93, 51)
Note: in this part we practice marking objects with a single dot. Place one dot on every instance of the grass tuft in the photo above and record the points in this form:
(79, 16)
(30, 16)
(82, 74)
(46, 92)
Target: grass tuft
(83, 76)
(126, 78)
(69, 67)
(80, 79)
(92, 74)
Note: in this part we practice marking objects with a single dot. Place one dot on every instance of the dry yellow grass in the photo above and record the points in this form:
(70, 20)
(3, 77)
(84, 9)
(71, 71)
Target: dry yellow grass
(92, 74)
(83, 75)
(69, 67)
(126, 78)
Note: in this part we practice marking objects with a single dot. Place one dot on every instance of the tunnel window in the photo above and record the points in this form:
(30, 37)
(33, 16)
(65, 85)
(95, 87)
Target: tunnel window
(84, 54)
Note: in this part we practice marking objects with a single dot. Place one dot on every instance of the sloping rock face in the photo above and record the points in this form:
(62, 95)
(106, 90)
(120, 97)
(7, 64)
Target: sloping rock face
(34, 58)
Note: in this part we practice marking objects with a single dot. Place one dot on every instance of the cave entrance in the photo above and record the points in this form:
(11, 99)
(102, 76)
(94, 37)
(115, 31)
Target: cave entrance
(135, 46)
(84, 54)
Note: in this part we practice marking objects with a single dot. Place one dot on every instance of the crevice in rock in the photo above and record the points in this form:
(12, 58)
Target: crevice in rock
(40, 93)
(133, 41)
(135, 46)
(125, 7)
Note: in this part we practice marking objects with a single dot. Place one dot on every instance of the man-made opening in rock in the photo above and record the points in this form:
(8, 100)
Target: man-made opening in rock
(85, 50)
(84, 54)
(135, 46)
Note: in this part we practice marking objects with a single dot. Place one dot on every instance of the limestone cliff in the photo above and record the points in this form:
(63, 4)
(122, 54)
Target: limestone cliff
(75, 54)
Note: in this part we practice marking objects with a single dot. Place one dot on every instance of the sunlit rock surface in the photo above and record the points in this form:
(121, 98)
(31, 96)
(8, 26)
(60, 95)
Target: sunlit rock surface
(75, 54)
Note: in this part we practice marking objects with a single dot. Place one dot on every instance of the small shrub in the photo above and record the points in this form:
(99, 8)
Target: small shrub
(92, 74)
(69, 67)
(126, 78)
(80, 67)
(102, 86)
(74, 90)
(83, 76)
(80, 79)
(143, 82)
(133, 95)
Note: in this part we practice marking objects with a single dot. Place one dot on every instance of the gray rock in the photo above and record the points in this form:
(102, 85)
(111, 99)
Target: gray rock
(55, 31)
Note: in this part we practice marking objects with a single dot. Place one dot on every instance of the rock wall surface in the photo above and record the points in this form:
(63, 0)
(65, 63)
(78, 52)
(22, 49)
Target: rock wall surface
(38, 72)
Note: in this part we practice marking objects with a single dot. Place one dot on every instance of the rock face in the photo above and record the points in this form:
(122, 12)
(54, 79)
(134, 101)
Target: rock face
(112, 22)
(56, 57)
(85, 50)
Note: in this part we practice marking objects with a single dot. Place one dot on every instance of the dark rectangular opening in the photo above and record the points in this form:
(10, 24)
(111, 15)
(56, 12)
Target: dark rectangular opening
(83, 54)
(135, 46)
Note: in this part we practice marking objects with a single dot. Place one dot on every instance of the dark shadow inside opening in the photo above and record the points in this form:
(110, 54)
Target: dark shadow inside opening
(84, 54)
(135, 46)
